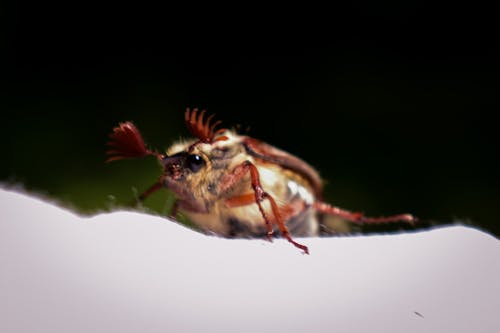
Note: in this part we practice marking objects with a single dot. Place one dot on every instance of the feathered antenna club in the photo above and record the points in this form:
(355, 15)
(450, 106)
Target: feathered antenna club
(126, 142)
(201, 127)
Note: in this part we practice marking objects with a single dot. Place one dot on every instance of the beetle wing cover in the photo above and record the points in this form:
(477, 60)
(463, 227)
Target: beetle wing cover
(272, 154)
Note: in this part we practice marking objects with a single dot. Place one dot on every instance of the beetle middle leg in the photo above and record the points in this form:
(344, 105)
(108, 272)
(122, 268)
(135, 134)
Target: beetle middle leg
(259, 195)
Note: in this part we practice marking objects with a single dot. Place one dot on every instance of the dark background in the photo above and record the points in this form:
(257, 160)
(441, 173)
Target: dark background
(393, 104)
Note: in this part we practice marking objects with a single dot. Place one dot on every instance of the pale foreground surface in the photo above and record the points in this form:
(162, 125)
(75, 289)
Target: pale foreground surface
(130, 272)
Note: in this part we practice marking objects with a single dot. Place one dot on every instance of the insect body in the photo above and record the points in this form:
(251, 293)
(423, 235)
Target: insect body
(235, 185)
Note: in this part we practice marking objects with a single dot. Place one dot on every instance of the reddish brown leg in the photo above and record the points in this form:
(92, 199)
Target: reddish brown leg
(175, 210)
(242, 200)
(359, 217)
(259, 196)
(152, 189)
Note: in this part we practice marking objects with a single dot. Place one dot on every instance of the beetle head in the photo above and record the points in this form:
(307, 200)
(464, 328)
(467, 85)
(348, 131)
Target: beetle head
(189, 167)
(198, 166)
(182, 164)
(189, 158)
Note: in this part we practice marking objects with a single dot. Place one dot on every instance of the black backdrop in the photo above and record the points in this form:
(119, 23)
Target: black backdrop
(393, 104)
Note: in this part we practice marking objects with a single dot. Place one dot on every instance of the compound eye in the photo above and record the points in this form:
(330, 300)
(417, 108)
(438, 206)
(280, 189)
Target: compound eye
(195, 162)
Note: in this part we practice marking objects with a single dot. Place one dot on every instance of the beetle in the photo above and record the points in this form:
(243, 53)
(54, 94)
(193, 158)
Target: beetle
(235, 185)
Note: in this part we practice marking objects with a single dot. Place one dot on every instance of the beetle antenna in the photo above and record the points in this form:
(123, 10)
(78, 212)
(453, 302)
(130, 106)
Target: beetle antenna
(126, 142)
(202, 127)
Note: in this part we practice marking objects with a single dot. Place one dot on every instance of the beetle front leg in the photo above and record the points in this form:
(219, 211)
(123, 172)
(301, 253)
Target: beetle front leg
(152, 189)
(259, 196)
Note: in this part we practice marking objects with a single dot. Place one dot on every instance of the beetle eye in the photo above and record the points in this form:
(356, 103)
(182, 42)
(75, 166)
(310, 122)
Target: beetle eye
(195, 162)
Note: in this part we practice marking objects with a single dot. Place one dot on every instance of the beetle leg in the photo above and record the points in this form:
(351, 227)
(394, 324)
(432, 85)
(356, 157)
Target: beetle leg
(359, 218)
(174, 210)
(152, 189)
(248, 199)
(287, 211)
(241, 200)
(259, 196)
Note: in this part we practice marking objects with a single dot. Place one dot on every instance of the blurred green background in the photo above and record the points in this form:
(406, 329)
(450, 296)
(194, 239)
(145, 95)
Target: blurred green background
(393, 105)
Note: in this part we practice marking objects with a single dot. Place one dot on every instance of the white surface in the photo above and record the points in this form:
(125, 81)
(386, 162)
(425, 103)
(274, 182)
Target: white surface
(130, 272)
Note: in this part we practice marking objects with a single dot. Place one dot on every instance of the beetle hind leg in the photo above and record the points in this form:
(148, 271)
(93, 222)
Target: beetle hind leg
(359, 218)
